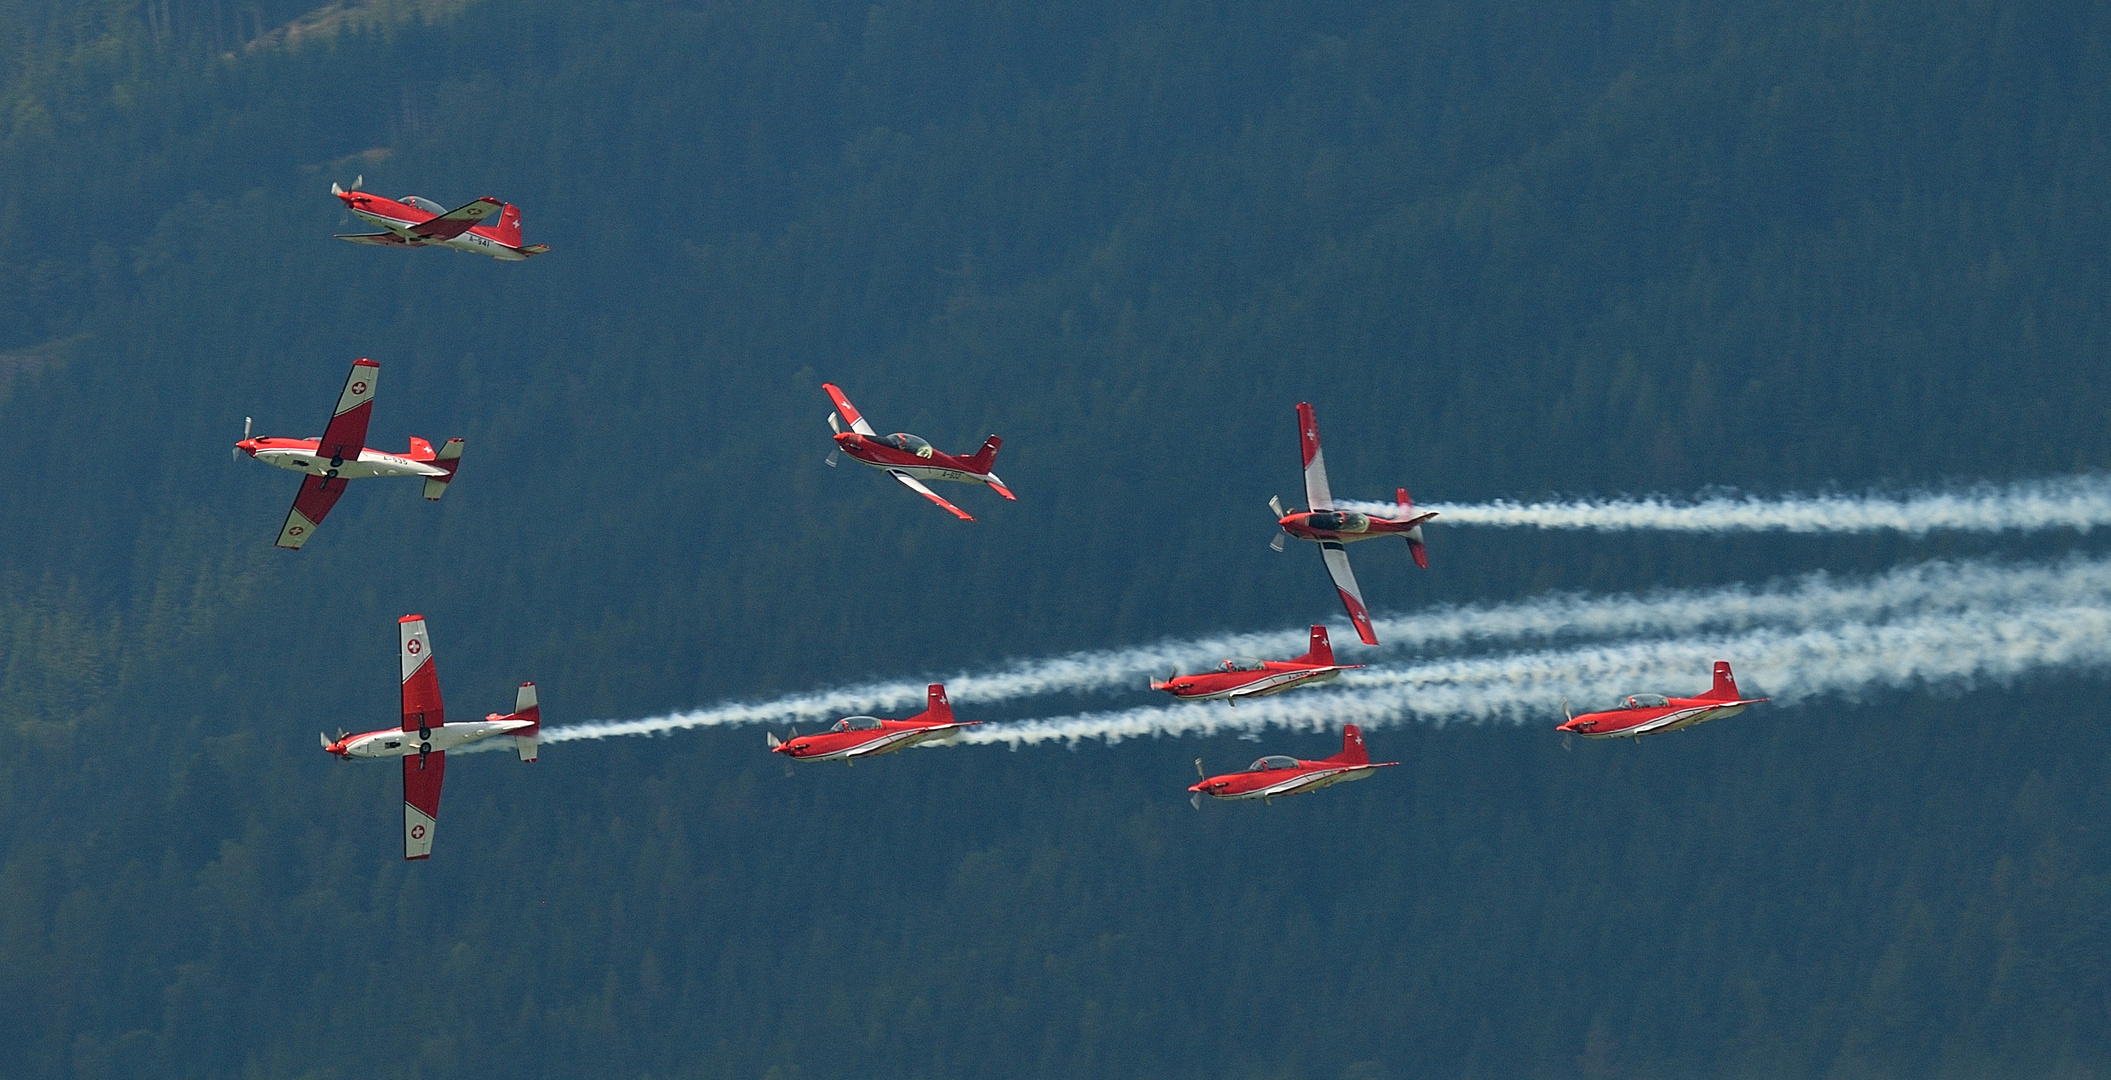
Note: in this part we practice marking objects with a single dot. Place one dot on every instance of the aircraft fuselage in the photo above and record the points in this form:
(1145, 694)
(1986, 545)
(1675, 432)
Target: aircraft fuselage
(395, 742)
(299, 455)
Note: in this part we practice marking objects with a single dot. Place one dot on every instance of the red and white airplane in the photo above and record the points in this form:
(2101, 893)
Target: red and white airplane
(909, 459)
(416, 222)
(1331, 528)
(1649, 714)
(341, 455)
(1279, 774)
(1241, 677)
(425, 737)
(855, 737)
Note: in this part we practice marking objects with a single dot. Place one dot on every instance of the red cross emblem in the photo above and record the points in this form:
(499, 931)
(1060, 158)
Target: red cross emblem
(417, 832)
(359, 387)
(415, 647)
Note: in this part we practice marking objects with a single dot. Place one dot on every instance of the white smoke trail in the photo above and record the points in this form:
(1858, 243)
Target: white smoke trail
(2077, 502)
(1845, 661)
(1924, 589)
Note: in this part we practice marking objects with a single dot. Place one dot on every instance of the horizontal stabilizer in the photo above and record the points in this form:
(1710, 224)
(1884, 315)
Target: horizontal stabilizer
(450, 459)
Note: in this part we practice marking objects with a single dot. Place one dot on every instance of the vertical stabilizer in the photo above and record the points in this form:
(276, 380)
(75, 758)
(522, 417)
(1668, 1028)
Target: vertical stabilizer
(1352, 748)
(937, 709)
(986, 458)
(1322, 651)
(1725, 684)
(507, 231)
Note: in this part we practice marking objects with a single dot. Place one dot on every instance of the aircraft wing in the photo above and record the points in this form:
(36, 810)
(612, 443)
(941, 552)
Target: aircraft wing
(1337, 560)
(912, 484)
(315, 499)
(457, 221)
(421, 679)
(855, 419)
(1317, 497)
(385, 239)
(421, 802)
(345, 436)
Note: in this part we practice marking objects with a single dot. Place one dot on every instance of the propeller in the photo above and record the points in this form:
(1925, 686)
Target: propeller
(1565, 733)
(1276, 504)
(1277, 543)
(771, 738)
(237, 451)
(1195, 800)
(325, 737)
(358, 181)
(837, 427)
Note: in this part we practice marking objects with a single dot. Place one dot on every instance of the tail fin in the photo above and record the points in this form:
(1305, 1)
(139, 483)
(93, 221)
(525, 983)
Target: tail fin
(1414, 535)
(528, 738)
(987, 456)
(1322, 651)
(1352, 749)
(507, 231)
(420, 450)
(449, 458)
(937, 709)
(1725, 684)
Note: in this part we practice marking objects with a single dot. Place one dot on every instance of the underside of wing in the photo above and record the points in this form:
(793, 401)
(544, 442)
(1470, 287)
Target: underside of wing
(384, 239)
(1337, 560)
(917, 486)
(1317, 497)
(345, 435)
(457, 221)
(421, 802)
(316, 497)
(851, 416)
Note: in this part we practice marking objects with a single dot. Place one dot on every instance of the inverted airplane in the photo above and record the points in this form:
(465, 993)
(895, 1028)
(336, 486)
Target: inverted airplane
(909, 459)
(1242, 677)
(1278, 775)
(417, 222)
(1651, 714)
(425, 737)
(855, 737)
(1331, 529)
(341, 455)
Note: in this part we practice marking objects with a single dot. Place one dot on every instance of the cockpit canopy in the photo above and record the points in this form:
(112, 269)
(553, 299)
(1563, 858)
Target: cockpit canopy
(1244, 663)
(857, 723)
(1273, 762)
(1645, 701)
(902, 440)
(424, 204)
(1341, 521)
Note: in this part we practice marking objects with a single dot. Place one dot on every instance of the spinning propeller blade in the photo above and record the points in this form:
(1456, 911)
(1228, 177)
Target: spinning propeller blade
(834, 424)
(1275, 503)
(1277, 543)
(325, 738)
(772, 739)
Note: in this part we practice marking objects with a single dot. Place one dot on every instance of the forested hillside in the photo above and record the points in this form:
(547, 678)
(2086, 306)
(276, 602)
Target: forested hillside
(1507, 249)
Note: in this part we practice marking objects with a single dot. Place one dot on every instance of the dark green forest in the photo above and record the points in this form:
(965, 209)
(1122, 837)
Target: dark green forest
(1508, 249)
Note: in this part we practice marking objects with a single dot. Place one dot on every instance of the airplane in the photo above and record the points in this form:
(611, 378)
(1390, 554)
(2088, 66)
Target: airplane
(1649, 714)
(910, 459)
(1279, 774)
(1331, 528)
(425, 737)
(416, 222)
(1245, 677)
(341, 454)
(855, 737)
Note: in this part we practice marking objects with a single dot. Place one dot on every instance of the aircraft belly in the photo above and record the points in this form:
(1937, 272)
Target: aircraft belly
(1278, 684)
